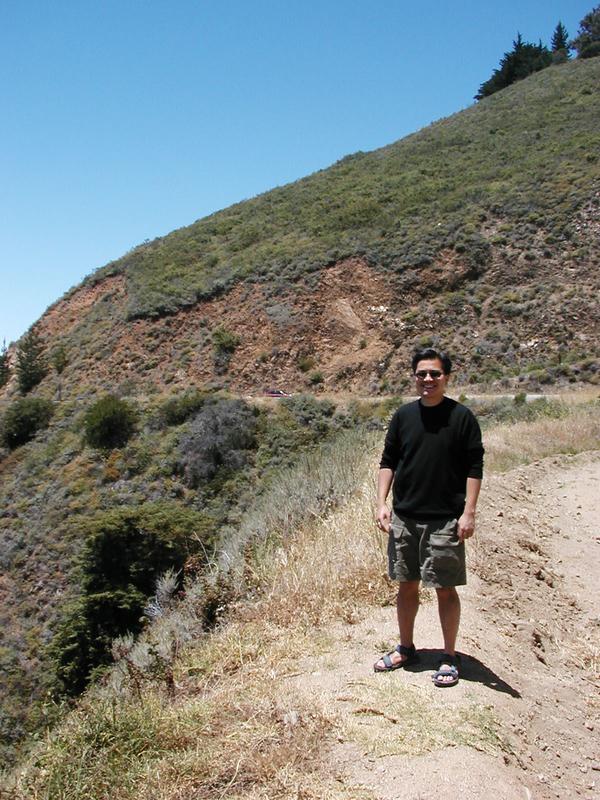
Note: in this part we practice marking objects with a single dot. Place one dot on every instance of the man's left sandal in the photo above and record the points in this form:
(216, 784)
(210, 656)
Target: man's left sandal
(410, 657)
(440, 678)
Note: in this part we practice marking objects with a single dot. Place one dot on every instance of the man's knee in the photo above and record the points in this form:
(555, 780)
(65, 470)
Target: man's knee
(408, 589)
(446, 594)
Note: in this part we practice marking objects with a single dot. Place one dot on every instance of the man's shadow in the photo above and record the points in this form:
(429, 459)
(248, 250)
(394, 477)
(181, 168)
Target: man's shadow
(471, 669)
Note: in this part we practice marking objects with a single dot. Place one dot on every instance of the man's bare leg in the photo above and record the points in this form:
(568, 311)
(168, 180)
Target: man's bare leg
(449, 612)
(407, 605)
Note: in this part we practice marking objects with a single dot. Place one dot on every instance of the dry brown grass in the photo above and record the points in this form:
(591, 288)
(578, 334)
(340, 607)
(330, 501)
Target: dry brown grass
(388, 719)
(508, 446)
(331, 570)
(229, 732)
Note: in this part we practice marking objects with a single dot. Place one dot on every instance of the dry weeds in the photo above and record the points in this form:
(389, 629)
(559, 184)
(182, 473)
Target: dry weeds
(391, 719)
(330, 570)
(508, 446)
(231, 730)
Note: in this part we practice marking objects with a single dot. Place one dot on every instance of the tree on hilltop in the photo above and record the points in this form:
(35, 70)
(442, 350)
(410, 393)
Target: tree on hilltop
(515, 65)
(559, 43)
(31, 362)
(587, 41)
(4, 365)
(560, 38)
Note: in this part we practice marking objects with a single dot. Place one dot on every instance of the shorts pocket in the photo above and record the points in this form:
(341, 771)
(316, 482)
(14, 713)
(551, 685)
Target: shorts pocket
(445, 563)
(403, 554)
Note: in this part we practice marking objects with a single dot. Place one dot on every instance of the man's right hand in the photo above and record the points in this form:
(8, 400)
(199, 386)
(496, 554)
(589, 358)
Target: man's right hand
(383, 518)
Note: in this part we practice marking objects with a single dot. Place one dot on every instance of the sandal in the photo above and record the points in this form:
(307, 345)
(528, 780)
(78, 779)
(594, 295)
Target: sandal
(410, 657)
(449, 671)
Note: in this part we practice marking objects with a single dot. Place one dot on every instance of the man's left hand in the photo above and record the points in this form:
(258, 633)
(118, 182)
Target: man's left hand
(466, 525)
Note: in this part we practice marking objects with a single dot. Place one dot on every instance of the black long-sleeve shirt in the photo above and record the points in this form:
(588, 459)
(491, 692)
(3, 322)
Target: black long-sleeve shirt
(432, 450)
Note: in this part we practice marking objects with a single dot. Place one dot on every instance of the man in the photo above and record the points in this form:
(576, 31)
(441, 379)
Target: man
(433, 458)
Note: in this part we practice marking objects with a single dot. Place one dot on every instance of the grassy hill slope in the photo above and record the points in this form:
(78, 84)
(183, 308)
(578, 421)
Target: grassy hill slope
(266, 705)
(526, 158)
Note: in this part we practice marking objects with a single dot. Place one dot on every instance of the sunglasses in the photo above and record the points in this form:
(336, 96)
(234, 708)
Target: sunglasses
(433, 373)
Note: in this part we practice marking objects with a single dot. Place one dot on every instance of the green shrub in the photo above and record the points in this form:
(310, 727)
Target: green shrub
(109, 422)
(297, 424)
(311, 413)
(224, 343)
(176, 410)
(306, 363)
(126, 550)
(59, 359)
(23, 419)
(372, 415)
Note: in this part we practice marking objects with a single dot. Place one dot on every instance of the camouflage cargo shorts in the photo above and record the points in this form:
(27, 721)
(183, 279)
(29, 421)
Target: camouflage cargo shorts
(427, 551)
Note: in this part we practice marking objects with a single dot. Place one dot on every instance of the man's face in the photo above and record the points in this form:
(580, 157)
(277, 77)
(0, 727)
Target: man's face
(430, 381)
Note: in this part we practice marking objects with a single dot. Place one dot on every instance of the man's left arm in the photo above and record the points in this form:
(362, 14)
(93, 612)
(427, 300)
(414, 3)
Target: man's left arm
(466, 522)
(474, 456)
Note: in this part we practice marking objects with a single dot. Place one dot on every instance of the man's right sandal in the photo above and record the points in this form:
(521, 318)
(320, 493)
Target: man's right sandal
(410, 657)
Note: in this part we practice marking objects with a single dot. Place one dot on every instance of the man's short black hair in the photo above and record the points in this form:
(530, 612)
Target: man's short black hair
(429, 353)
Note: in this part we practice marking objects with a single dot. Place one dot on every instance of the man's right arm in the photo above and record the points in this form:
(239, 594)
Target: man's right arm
(384, 482)
(387, 468)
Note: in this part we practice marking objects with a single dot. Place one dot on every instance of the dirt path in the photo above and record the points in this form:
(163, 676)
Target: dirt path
(524, 720)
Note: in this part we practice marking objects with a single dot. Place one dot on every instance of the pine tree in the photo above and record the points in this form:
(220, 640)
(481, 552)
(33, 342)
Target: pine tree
(31, 363)
(560, 38)
(4, 365)
(587, 41)
(515, 65)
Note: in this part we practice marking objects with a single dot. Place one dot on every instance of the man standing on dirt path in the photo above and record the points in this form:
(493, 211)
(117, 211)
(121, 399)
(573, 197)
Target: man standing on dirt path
(433, 459)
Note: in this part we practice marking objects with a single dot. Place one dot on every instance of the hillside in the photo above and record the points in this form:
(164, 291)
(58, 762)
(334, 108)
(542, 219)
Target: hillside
(480, 231)
(281, 701)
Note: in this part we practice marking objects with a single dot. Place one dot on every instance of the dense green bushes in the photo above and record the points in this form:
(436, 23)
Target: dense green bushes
(297, 424)
(176, 410)
(109, 423)
(23, 419)
(125, 552)
(223, 452)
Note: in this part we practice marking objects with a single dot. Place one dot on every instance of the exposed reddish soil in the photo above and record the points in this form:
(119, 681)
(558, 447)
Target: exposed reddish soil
(350, 327)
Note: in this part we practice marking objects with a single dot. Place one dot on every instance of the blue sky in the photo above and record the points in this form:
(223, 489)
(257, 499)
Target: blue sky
(123, 120)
